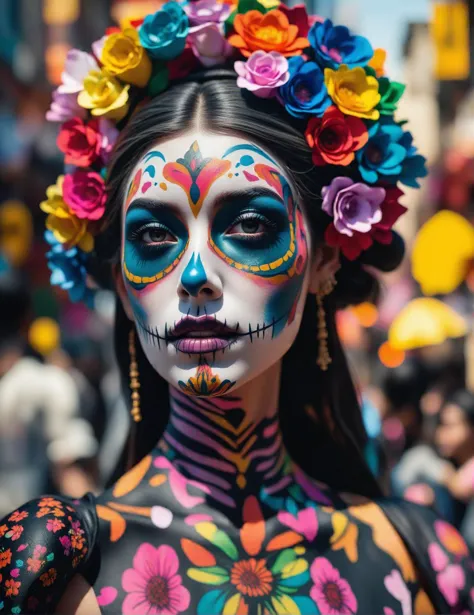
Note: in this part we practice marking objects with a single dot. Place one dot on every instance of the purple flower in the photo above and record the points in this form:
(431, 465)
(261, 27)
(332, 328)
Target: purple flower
(109, 135)
(64, 107)
(77, 67)
(355, 207)
(263, 73)
(209, 44)
(206, 11)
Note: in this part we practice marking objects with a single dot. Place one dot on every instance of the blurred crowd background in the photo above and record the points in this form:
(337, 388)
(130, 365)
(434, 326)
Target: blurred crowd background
(62, 420)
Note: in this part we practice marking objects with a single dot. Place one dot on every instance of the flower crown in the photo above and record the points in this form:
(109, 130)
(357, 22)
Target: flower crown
(319, 72)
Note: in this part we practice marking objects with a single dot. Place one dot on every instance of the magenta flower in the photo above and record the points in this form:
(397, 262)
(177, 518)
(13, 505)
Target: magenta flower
(206, 11)
(84, 192)
(332, 594)
(450, 578)
(209, 44)
(355, 207)
(77, 67)
(64, 108)
(153, 584)
(263, 73)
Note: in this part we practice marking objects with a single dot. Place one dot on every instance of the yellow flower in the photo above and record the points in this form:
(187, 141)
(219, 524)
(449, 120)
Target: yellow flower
(104, 95)
(354, 92)
(124, 57)
(64, 225)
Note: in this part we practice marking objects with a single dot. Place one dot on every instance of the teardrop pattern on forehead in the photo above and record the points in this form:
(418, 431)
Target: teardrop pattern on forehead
(195, 175)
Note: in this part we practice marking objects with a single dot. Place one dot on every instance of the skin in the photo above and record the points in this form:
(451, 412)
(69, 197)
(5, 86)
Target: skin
(207, 267)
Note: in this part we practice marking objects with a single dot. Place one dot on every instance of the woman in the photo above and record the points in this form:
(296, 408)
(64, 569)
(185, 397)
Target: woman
(248, 491)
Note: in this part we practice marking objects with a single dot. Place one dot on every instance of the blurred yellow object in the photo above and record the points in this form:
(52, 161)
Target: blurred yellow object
(378, 62)
(125, 10)
(450, 32)
(389, 356)
(60, 12)
(366, 313)
(425, 322)
(44, 335)
(55, 59)
(442, 250)
(16, 231)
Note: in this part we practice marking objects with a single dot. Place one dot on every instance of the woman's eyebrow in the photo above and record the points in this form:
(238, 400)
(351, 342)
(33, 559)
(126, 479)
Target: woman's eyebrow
(151, 205)
(248, 195)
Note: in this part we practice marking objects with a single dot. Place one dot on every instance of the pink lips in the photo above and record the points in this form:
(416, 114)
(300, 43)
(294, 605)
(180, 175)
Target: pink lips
(200, 335)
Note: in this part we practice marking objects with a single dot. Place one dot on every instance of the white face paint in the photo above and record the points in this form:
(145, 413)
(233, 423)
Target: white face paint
(215, 261)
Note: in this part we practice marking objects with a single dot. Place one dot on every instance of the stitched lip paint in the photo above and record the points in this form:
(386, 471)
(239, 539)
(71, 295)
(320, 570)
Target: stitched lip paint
(201, 345)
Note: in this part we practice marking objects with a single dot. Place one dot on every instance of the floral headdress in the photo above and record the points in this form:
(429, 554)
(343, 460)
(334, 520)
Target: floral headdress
(320, 73)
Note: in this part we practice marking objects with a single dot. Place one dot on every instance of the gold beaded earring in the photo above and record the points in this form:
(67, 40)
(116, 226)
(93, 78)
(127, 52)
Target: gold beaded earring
(134, 378)
(324, 358)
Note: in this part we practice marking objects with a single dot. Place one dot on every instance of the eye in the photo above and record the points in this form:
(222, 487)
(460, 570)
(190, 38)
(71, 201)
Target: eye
(153, 234)
(251, 224)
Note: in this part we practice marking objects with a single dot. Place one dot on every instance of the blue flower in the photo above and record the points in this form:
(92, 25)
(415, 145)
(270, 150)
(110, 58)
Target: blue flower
(163, 34)
(335, 45)
(390, 156)
(68, 270)
(305, 92)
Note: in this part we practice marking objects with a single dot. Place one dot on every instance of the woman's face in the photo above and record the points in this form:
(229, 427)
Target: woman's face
(215, 261)
(455, 436)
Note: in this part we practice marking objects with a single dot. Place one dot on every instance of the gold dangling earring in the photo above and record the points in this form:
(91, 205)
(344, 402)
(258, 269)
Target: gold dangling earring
(134, 378)
(324, 358)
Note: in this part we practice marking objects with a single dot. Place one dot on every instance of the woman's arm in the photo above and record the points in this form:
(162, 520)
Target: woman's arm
(78, 599)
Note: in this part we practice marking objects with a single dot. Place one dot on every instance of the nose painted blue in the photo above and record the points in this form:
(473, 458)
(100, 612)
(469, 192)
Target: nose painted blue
(194, 276)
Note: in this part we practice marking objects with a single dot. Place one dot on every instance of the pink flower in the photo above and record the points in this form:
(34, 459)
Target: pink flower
(209, 44)
(77, 67)
(109, 134)
(206, 11)
(396, 586)
(438, 558)
(84, 192)
(64, 107)
(153, 584)
(54, 525)
(332, 594)
(263, 73)
(450, 582)
(66, 543)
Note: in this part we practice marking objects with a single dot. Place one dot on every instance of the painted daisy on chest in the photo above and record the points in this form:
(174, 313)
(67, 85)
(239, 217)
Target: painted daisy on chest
(256, 575)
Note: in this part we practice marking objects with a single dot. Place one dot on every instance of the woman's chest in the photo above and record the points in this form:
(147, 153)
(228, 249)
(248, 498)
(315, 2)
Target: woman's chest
(313, 561)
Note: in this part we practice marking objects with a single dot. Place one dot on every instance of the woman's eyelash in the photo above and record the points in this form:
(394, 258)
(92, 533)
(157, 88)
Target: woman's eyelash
(251, 216)
(137, 233)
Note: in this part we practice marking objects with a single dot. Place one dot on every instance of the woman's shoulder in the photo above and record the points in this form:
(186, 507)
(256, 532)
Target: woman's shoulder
(43, 544)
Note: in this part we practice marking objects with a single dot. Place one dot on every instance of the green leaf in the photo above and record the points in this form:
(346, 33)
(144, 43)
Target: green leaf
(159, 79)
(50, 557)
(250, 5)
(391, 93)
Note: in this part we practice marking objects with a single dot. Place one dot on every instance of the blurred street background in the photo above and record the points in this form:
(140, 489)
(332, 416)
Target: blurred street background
(62, 420)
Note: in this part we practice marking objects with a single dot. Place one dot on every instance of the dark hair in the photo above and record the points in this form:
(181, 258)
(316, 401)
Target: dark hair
(464, 400)
(405, 385)
(319, 413)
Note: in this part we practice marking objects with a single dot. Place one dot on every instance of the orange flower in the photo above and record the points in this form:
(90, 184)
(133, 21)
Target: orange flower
(18, 516)
(43, 511)
(49, 502)
(269, 32)
(34, 564)
(48, 578)
(3, 530)
(252, 577)
(12, 587)
(5, 558)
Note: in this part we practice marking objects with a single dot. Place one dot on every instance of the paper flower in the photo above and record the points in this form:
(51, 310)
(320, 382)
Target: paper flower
(124, 57)
(335, 45)
(335, 137)
(361, 215)
(269, 32)
(109, 135)
(65, 226)
(206, 11)
(78, 65)
(377, 63)
(390, 155)
(390, 93)
(262, 73)
(298, 16)
(354, 92)
(64, 107)
(305, 92)
(163, 34)
(68, 270)
(105, 96)
(80, 142)
(84, 192)
(183, 64)
(209, 44)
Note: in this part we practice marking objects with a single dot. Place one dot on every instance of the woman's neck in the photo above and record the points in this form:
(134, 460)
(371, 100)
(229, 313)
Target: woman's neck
(232, 444)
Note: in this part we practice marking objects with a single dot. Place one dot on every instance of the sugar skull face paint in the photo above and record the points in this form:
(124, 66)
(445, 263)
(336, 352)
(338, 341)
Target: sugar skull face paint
(215, 261)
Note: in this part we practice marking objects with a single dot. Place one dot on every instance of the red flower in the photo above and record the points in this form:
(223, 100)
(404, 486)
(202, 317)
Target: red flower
(54, 525)
(18, 516)
(49, 577)
(12, 587)
(17, 531)
(80, 142)
(183, 64)
(34, 564)
(335, 137)
(352, 247)
(298, 16)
